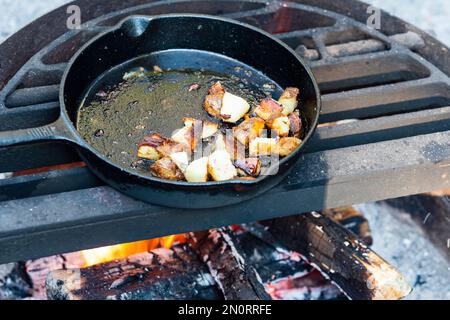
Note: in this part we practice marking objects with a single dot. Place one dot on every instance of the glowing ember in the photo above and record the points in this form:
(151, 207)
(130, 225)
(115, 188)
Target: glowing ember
(122, 251)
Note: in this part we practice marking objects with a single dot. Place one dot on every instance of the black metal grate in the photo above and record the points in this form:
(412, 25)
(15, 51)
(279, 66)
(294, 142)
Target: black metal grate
(394, 82)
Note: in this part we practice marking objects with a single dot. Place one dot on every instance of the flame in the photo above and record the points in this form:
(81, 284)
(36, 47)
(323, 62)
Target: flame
(121, 251)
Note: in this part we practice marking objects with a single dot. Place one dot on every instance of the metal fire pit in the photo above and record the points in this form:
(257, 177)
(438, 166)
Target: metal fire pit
(395, 81)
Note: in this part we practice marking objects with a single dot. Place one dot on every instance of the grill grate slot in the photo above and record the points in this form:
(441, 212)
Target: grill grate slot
(384, 100)
(288, 19)
(368, 71)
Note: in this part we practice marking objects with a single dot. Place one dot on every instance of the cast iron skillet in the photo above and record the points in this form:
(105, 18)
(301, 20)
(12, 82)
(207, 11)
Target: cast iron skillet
(177, 41)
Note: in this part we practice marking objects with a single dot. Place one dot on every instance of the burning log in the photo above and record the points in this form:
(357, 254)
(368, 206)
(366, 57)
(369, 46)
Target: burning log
(353, 220)
(285, 274)
(341, 256)
(236, 278)
(162, 274)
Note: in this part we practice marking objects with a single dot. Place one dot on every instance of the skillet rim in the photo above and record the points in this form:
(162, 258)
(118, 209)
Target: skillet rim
(85, 145)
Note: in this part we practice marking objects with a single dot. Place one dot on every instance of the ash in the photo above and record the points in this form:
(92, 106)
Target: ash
(402, 242)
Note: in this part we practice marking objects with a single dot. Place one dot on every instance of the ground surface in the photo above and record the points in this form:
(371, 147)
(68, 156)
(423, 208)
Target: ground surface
(430, 15)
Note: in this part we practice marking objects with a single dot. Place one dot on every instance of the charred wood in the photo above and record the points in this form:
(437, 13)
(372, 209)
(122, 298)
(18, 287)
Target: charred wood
(236, 278)
(353, 220)
(162, 274)
(341, 256)
(14, 282)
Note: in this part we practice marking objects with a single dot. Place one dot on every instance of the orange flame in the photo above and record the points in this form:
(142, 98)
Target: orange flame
(122, 251)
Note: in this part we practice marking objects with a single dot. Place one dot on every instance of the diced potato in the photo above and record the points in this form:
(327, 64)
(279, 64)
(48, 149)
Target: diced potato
(235, 149)
(251, 166)
(220, 143)
(262, 146)
(220, 166)
(148, 152)
(165, 168)
(289, 100)
(281, 125)
(208, 128)
(268, 110)
(181, 159)
(213, 101)
(285, 146)
(169, 147)
(186, 136)
(249, 129)
(233, 108)
(295, 125)
(197, 170)
(148, 148)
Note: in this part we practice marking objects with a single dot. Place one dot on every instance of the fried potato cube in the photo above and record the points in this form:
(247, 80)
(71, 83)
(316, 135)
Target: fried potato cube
(235, 149)
(289, 100)
(262, 146)
(220, 166)
(181, 159)
(281, 125)
(285, 146)
(233, 108)
(295, 125)
(213, 101)
(208, 128)
(188, 135)
(268, 110)
(249, 129)
(165, 168)
(219, 143)
(148, 152)
(169, 147)
(148, 147)
(197, 170)
(251, 166)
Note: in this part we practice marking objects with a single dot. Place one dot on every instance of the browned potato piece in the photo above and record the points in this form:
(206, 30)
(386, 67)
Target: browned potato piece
(165, 168)
(251, 166)
(220, 166)
(249, 129)
(197, 170)
(285, 146)
(281, 125)
(269, 110)
(169, 147)
(262, 146)
(148, 148)
(289, 100)
(149, 153)
(230, 145)
(208, 128)
(189, 135)
(295, 125)
(213, 101)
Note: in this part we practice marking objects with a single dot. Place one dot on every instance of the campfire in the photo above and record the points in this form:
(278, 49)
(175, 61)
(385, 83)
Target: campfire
(122, 251)
(383, 134)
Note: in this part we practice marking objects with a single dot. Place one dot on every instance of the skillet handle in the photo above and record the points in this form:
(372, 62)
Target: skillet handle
(54, 131)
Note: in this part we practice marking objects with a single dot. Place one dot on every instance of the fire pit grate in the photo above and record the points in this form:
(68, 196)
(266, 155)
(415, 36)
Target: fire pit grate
(393, 84)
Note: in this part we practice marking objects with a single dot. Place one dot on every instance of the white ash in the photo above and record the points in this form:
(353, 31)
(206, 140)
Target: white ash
(401, 241)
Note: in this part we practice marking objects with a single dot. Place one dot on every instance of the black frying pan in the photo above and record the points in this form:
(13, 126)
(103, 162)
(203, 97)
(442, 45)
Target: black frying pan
(182, 41)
